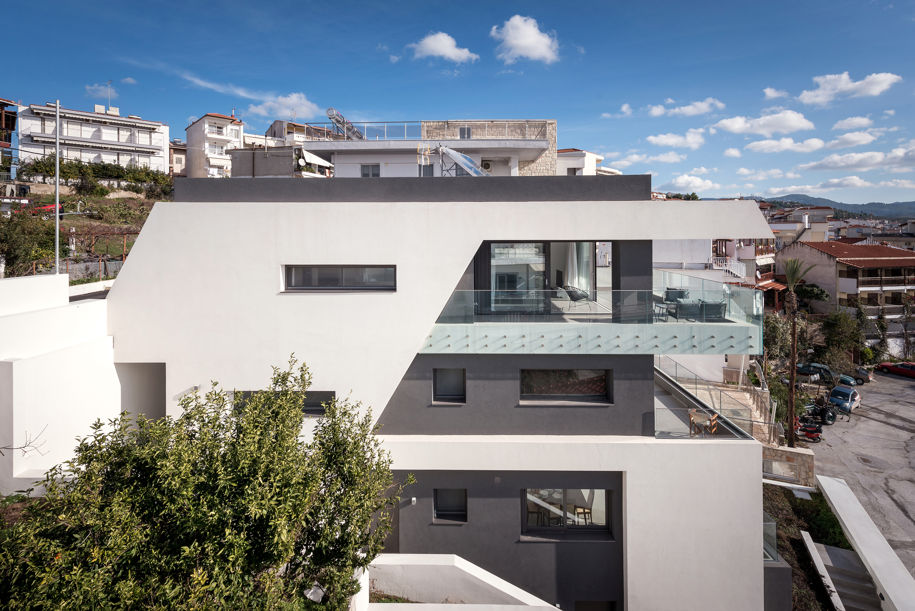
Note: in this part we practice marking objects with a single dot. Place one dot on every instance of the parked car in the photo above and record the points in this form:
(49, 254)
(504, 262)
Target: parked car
(844, 398)
(825, 374)
(902, 369)
(862, 375)
(804, 375)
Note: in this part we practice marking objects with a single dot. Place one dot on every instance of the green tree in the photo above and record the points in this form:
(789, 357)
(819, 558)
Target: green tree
(794, 274)
(882, 349)
(25, 238)
(225, 506)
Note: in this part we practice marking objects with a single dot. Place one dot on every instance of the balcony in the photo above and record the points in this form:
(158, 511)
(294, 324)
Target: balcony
(437, 130)
(685, 316)
(886, 283)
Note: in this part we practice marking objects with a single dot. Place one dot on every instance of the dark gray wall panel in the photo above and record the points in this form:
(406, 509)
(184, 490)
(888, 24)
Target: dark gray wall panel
(556, 570)
(493, 404)
(493, 188)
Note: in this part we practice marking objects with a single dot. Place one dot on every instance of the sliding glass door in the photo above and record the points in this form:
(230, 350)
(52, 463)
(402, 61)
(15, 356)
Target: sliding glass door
(518, 276)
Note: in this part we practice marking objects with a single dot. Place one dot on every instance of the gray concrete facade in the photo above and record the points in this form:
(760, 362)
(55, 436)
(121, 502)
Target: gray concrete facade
(493, 405)
(561, 569)
(464, 189)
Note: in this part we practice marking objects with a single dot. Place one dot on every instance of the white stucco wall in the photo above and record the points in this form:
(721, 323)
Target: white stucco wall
(684, 254)
(692, 510)
(27, 293)
(226, 317)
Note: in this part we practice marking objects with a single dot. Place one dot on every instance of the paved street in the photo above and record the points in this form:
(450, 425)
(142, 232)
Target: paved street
(875, 454)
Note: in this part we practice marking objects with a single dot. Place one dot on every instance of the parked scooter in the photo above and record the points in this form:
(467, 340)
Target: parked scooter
(810, 432)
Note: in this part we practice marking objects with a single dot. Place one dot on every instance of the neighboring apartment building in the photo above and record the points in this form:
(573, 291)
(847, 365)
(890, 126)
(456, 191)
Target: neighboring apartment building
(576, 162)
(102, 136)
(875, 276)
(386, 150)
(209, 140)
(177, 157)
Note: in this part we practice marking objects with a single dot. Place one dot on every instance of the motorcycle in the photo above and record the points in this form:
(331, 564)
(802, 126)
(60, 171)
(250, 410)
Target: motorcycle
(819, 412)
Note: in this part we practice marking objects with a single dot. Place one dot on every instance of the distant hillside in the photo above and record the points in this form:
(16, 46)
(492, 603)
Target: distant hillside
(893, 210)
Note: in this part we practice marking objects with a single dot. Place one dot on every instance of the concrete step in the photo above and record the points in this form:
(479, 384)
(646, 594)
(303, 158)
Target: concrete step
(853, 583)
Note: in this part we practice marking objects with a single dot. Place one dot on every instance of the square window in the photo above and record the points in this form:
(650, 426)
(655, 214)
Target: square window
(450, 504)
(449, 385)
(370, 170)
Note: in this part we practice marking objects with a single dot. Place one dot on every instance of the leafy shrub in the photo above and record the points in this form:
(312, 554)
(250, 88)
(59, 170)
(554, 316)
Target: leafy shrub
(224, 506)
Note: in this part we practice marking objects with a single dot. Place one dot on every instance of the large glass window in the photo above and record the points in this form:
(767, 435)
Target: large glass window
(518, 275)
(565, 508)
(341, 277)
(567, 385)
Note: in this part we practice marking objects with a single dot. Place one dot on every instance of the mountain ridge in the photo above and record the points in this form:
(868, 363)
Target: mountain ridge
(881, 209)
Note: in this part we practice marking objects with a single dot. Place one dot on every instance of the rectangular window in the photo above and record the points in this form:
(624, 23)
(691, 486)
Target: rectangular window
(450, 504)
(341, 277)
(465, 133)
(371, 170)
(588, 385)
(566, 508)
(449, 385)
(312, 404)
(425, 170)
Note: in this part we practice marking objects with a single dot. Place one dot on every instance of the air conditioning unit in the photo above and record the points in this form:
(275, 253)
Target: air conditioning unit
(487, 165)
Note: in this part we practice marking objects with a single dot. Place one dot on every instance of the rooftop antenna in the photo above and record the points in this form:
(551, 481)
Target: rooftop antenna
(109, 93)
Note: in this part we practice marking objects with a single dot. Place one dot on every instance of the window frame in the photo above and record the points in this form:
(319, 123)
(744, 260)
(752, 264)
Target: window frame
(566, 529)
(342, 288)
(437, 397)
(553, 399)
(362, 170)
(465, 132)
(452, 517)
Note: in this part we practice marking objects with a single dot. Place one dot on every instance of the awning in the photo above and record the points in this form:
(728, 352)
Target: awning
(765, 261)
(770, 285)
(315, 160)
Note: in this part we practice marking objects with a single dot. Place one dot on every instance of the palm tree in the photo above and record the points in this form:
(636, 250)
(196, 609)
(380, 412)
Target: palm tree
(794, 274)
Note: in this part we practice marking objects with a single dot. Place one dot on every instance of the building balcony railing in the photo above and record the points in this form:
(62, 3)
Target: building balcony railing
(883, 281)
(697, 317)
(431, 130)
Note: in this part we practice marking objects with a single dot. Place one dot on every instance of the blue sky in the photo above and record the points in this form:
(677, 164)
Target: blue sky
(677, 89)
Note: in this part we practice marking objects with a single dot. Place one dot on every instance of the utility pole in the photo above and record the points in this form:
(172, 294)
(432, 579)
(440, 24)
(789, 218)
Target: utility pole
(57, 189)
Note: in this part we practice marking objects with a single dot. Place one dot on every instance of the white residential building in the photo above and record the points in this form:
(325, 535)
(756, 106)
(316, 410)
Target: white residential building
(209, 140)
(547, 442)
(576, 162)
(100, 136)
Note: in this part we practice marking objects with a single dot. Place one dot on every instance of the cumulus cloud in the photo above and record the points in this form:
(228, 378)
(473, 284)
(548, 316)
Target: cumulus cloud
(766, 174)
(688, 182)
(853, 123)
(785, 144)
(101, 91)
(850, 139)
(772, 93)
(732, 152)
(521, 38)
(633, 158)
(700, 171)
(889, 112)
(393, 58)
(440, 44)
(293, 104)
(780, 122)
(898, 159)
(847, 182)
(626, 109)
(692, 139)
(129, 80)
(831, 86)
(701, 107)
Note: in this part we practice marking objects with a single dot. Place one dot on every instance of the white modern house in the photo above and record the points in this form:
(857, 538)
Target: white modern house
(209, 140)
(577, 162)
(548, 447)
(99, 136)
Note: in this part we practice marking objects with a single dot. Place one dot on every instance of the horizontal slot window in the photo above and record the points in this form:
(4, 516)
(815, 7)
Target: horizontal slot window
(585, 385)
(313, 403)
(341, 277)
(556, 509)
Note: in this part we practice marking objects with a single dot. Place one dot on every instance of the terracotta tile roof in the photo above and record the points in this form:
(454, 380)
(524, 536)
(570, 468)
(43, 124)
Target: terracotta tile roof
(5, 101)
(865, 256)
(569, 151)
(850, 240)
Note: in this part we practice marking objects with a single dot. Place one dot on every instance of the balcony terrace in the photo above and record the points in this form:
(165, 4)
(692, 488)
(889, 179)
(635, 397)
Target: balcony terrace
(681, 315)
(430, 130)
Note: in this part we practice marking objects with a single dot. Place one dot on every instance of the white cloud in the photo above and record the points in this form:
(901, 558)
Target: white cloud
(625, 111)
(700, 171)
(692, 139)
(850, 139)
(293, 104)
(101, 91)
(898, 183)
(853, 123)
(831, 86)
(889, 112)
(898, 159)
(669, 101)
(772, 93)
(689, 110)
(848, 182)
(687, 182)
(129, 80)
(732, 152)
(785, 144)
(521, 38)
(394, 58)
(766, 174)
(633, 158)
(782, 122)
(440, 44)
